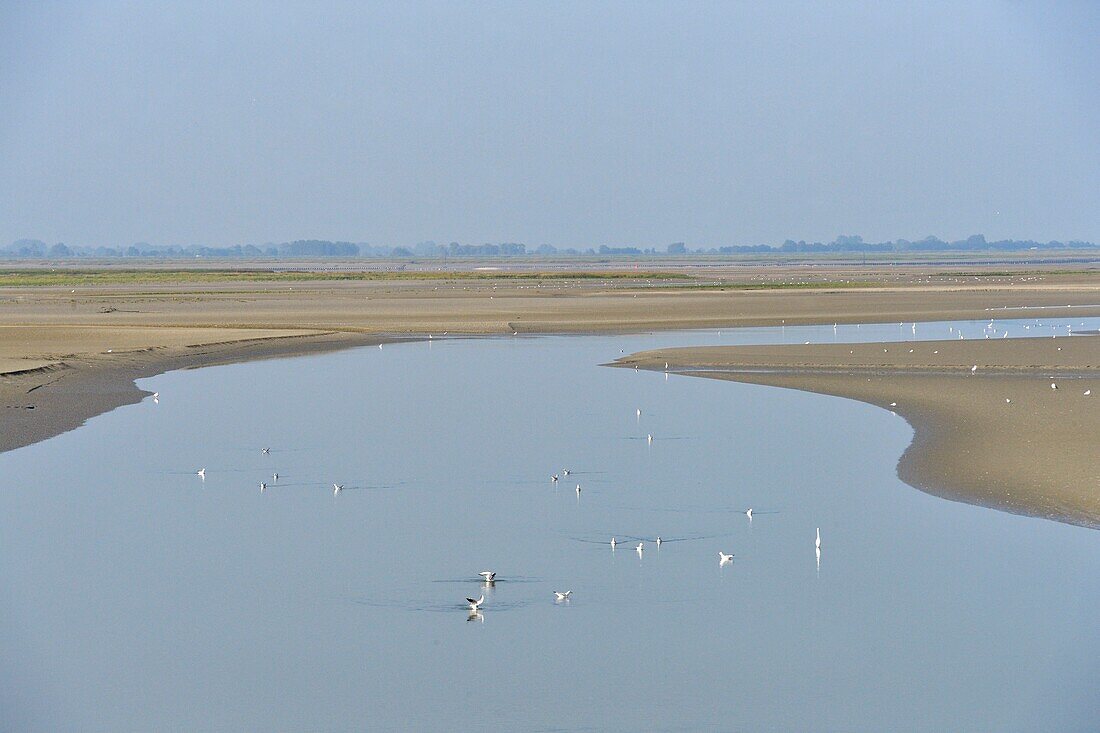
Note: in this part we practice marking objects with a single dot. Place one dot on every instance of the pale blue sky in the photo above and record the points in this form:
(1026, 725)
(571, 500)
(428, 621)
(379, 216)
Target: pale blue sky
(567, 123)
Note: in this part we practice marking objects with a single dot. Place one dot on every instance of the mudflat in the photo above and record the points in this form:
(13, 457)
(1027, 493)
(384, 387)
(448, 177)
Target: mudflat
(73, 341)
(1007, 423)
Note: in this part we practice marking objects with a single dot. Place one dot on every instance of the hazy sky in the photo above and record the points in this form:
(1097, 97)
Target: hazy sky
(567, 123)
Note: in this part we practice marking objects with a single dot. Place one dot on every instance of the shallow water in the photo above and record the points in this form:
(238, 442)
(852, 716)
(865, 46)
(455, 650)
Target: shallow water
(135, 596)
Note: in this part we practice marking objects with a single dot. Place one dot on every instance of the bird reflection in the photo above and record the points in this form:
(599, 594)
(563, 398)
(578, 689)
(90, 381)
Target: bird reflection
(475, 616)
(817, 551)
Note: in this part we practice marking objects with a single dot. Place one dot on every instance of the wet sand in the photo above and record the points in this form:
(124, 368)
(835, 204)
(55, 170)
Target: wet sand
(999, 436)
(60, 394)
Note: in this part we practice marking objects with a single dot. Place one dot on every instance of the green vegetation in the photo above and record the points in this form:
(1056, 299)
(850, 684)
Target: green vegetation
(86, 278)
(808, 285)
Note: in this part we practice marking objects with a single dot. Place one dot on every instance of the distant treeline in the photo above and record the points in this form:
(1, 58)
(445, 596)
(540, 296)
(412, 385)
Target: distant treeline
(37, 249)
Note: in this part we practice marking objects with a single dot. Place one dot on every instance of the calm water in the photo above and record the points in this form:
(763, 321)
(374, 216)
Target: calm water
(134, 596)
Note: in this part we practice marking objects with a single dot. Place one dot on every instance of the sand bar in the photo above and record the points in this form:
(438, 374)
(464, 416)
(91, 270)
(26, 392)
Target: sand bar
(997, 436)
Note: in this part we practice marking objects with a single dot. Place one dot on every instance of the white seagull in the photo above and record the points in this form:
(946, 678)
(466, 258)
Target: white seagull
(639, 548)
(658, 542)
(649, 438)
(554, 478)
(265, 451)
(817, 542)
(263, 487)
(275, 477)
(723, 558)
(489, 576)
(748, 513)
(475, 605)
(156, 398)
(201, 473)
(578, 488)
(562, 596)
(337, 488)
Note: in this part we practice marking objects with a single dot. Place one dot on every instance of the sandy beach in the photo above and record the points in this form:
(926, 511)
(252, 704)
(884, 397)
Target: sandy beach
(997, 436)
(71, 350)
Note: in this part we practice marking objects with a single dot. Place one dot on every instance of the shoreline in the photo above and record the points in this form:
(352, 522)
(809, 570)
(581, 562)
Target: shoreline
(999, 437)
(46, 401)
(73, 354)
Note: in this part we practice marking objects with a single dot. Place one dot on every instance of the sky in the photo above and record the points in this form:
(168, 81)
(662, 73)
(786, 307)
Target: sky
(619, 123)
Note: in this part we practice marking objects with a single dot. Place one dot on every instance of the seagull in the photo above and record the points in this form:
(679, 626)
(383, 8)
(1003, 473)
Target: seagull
(1053, 385)
(201, 473)
(723, 558)
(265, 451)
(336, 488)
(156, 398)
(565, 472)
(658, 542)
(613, 543)
(748, 513)
(1088, 392)
(639, 548)
(275, 477)
(638, 412)
(562, 596)
(263, 487)
(973, 368)
(817, 542)
(649, 438)
(554, 478)
(475, 605)
(578, 488)
(489, 576)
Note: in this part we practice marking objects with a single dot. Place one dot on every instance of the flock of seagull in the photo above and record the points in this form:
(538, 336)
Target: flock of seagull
(489, 577)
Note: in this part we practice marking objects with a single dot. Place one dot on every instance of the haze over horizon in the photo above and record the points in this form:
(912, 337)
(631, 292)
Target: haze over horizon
(573, 125)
